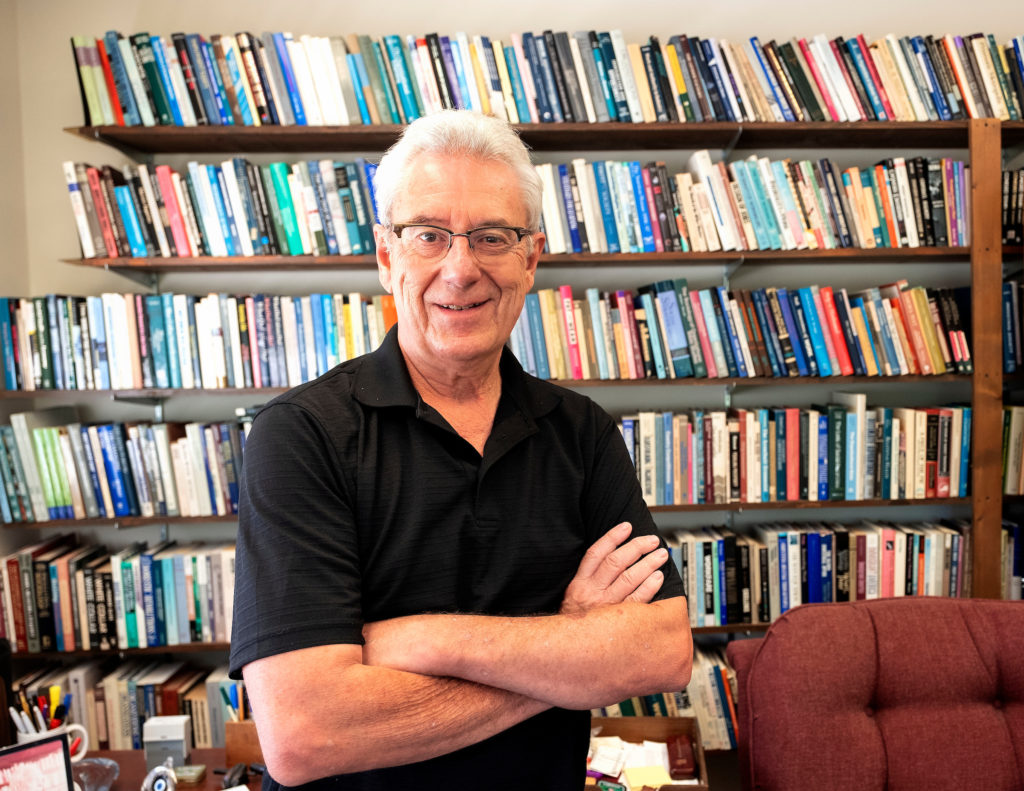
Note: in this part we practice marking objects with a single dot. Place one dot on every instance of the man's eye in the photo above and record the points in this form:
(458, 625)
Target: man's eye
(428, 237)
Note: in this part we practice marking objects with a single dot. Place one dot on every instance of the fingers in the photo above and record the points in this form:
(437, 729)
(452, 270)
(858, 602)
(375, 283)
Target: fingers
(647, 589)
(619, 562)
(603, 547)
(638, 575)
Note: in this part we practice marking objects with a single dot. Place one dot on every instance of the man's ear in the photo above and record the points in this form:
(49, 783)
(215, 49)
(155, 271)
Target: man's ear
(380, 236)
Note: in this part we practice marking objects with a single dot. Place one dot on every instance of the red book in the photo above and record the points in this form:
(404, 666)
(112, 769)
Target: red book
(109, 241)
(165, 182)
(571, 331)
(862, 565)
(652, 209)
(887, 570)
(702, 336)
(627, 316)
(835, 329)
(108, 77)
(882, 95)
(864, 115)
(792, 453)
(812, 64)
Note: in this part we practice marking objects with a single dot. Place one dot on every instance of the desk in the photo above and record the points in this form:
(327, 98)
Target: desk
(133, 769)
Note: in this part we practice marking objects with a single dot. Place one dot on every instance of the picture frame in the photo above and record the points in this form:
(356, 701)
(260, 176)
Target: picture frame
(40, 765)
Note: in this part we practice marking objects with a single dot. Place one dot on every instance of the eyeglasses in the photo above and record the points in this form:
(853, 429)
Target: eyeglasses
(431, 242)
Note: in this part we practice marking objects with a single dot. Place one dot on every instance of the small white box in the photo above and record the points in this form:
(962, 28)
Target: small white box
(164, 737)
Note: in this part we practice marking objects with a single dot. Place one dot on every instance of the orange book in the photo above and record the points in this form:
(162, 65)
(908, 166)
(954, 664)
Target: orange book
(912, 321)
(904, 337)
(390, 314)
(882, 185)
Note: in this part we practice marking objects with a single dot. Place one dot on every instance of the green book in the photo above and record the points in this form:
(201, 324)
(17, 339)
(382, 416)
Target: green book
(44, 342)
(44, 464)
(700, 368)
(385, 80)
(273, 208)
(836, 451)
(144, 53)
(279, 180)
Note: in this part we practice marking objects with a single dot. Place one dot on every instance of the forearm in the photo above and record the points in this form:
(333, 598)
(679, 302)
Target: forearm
(574, 661)
(361, 717)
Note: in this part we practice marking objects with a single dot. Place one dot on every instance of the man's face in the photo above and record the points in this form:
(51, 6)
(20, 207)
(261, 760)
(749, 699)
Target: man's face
(458, 309)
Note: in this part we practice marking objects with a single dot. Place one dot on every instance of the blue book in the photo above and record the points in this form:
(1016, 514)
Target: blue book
(548, 79)
(773, 83)
(857, 303)
(518, 92)
(360, 80)
(565, 189)
(629, 429)
(934, 89)
(794, 332)
(319, 338)
(203, 81)
(647, 301)
(815, 330)
(300, 331)
(222, 208)
(403, 79)
(291, 87)
(330, 330)
(602, 74)
(804, 338)
(886, 340)
(765, 455)
(860, 64)
(153, 632)
(675, 331)
(731, 333)
(846, 322)
(98, 338)
(768, 332)
(668, 458)
(708, 51)
(216, 83)
(594, 301)
(753, 203)
(316, 180)
(719, 569)
(813, 567)
(612, 65)
(715, 333)
(544, 113)
(456, 88)
(783, 573)
(640, 197)
(827, 545)
(780, 455)
(698, 585)
(369, 171)
(611, 231)
(698, 444)
(540, 351)
(231, 464)
(158, 341)
(822, 459)
(768, 216)
(965, 450)
(160, 56)
(7, 346)
(852, 452)
(657, 427)
(126, 206)
(129, 106)
(92, 465)
(171, 335)
(391, 109)
(885, 457)
(114, 472)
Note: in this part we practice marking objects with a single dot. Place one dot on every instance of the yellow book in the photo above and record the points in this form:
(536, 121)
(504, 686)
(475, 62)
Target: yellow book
(931, 338)
(643, 87)
(676, 80)
(484, 91)
(860, 327)
(553, 332)
(891, 81)
(506, 82)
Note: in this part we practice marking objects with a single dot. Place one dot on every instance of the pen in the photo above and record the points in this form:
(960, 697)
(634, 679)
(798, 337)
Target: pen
(75, 744)
(17, 719)
(67, 703)
(40, 722)
(54, 698)
(59, 715)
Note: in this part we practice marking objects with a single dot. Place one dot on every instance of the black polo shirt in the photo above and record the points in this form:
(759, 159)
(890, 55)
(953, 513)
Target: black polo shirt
(360, 503)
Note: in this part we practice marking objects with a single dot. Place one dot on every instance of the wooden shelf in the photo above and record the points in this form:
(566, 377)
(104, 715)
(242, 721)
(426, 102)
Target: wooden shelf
(191, 648)
(545, 137)
(123, 522)
(933, 255)
(805, 504)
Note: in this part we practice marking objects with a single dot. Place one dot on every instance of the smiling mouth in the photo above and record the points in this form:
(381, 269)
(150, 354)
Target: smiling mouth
(462, 307)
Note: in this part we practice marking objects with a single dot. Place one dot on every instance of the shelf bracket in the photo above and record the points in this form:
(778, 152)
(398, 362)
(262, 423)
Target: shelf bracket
(731, 145)
(156, 403)
(148, 280)
(730, 268)
(727, 395)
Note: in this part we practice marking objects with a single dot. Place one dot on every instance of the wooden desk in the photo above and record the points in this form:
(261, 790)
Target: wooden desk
(133, 769)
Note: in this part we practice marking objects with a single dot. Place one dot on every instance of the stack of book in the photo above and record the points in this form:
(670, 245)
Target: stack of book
(60, 596)
(1013, 561)
(737, 579)
(754, 204)
(550, 76)
(842, 450)
(665, 330)
(53, 467)
(135, 341)
(232, 208)
(1013, 206)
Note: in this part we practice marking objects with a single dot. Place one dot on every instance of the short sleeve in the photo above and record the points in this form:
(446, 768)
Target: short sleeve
(614, 495)
(297, 570)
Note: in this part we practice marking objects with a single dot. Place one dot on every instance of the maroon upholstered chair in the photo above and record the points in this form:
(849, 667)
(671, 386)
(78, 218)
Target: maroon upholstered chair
(886, 695)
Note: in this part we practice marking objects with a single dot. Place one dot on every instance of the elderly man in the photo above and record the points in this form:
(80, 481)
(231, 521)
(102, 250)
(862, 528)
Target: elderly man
(444, 563)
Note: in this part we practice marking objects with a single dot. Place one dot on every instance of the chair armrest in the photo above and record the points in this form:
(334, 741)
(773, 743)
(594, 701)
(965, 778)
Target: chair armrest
(740, 655)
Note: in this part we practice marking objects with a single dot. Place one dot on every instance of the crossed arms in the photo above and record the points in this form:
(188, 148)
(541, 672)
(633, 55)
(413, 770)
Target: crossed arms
(425, 685)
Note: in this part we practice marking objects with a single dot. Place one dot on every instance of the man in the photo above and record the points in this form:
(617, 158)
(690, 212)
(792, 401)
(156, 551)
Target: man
(416, 605)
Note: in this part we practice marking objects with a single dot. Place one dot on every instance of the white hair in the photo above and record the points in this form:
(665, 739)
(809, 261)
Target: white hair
(458, 133)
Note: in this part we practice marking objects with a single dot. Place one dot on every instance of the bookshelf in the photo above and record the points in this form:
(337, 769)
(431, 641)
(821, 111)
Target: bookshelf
(983, 140)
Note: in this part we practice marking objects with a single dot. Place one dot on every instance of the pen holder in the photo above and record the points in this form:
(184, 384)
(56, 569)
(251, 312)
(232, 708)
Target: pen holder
(241, 744)
(73, 732)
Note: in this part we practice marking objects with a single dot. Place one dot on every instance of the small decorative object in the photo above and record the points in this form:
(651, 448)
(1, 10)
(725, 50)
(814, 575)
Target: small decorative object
(95, 774)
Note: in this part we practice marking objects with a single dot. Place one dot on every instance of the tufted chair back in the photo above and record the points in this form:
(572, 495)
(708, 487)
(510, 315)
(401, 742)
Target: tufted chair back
(884, 695)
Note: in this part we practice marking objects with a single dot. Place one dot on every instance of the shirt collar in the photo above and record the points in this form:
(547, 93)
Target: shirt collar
(383, 381)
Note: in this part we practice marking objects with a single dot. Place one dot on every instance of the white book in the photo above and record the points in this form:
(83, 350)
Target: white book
(227, 167)
(700, 165)
(304, 81)
(334, 206)
(525, 75)
(355, 317)
(320, 69)
(718, 61)
(118, 348)
(196, 460)
(291, 342)
(684, 189)
(150, 197)
(78, 209)
(907, 76)
(419, 57)
(857, 403)
(162, 447)
(591, 207)
(188, 114)
(268, 52)
(183, 482)
(462, 41)
(550, 210)
(762, 81)
(306, 306)
(135, 80)
(988, 77)
(920, 452)
(338, 80)
(207, 207)
(585, 89)
(211, 444)
(626, 77)
(741, 334)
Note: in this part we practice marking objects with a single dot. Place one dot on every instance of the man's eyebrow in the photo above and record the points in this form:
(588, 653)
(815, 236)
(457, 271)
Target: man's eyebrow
(423, 219)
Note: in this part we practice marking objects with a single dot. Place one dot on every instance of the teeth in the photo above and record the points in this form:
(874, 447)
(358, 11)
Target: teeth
(461, 307)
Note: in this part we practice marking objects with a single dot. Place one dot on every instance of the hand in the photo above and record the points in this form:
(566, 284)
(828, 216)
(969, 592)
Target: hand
(611, 574)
